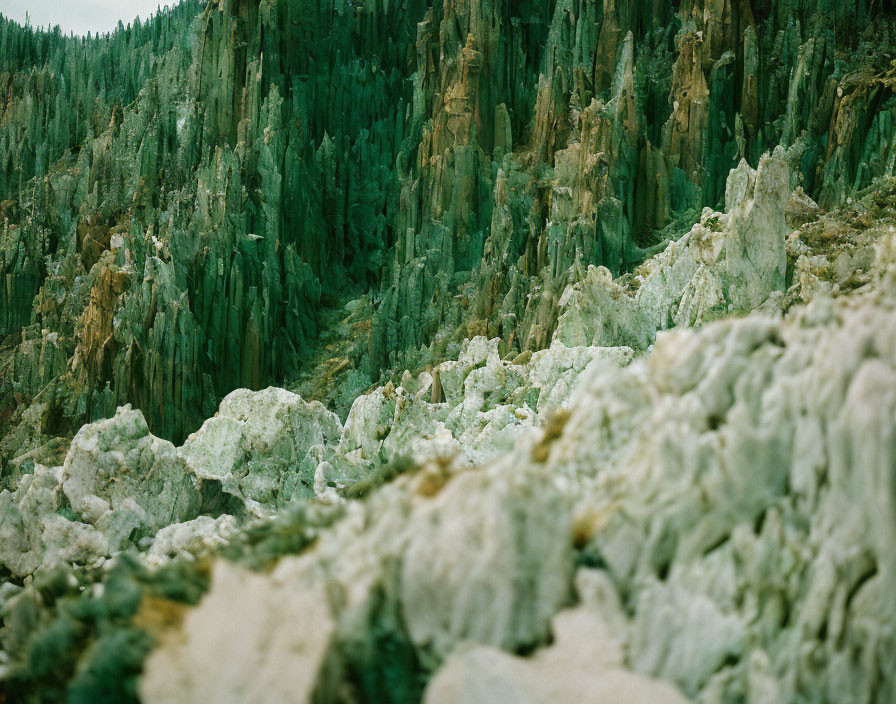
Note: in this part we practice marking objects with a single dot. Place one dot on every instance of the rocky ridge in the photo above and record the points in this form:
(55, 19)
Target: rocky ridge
(599, 408)
(458, 163)
(679, 510)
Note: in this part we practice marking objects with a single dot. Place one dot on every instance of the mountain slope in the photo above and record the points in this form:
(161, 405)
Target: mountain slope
(584, 311)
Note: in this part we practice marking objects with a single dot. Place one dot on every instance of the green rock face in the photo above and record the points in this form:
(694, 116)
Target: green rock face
(458, 232)
(182, 198)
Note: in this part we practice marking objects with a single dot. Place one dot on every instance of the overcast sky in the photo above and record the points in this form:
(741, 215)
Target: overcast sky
(80, 16)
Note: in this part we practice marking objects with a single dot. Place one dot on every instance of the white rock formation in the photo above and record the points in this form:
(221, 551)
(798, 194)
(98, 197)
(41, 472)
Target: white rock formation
(727, 263)
(33, 534)
(269, 650)
(263, 447)
(755, 260)
(122, 479)
(192, 539)
(584, 664)
(599, 312)
(737, 487)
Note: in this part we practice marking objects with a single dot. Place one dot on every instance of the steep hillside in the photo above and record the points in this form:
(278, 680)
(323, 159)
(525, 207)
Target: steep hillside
(182, 198)
(522, 351)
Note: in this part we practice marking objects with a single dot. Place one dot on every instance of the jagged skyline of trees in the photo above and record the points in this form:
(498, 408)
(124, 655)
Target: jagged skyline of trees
(80, 17)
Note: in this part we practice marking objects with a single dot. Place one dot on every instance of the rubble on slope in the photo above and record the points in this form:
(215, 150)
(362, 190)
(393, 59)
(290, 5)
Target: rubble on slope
(719, 487)
(263, 451)
(555, 423)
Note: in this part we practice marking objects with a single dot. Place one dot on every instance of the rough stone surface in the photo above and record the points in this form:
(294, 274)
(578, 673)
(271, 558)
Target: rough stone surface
(192, 539)
(263, 447)
(584, 662)
(33, 533)
(584, 313)
(709, 467)
(271, 649)
(755, 261)
(121, 479)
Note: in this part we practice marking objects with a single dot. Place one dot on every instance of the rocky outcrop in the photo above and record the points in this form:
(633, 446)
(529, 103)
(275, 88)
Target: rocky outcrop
(121, 479)
(585, 662)
(263, 447)
(676, 476)
(36, 534)
(283, 664)
(629, 130)
(728, 263)
(586, 315)
(264, 451)
(119, 484)
(465, 163)
(197, 538)
(755, 261)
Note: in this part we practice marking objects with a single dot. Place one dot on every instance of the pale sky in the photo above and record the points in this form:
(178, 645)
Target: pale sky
(80, 16)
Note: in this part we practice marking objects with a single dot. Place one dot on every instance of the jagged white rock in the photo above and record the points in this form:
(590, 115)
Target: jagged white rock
(755, 259)
(584, 663)
(121, 479)
(726, 262)
(191, 539)
(33, 533)
(599, 312)
(271, 649)
(263, 446)
(266, 448)
(736, 485)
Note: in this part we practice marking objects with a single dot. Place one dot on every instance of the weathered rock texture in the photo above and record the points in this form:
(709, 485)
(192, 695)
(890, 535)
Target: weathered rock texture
(119, 485)
(586, 313)
(242, 165)
(734, 491)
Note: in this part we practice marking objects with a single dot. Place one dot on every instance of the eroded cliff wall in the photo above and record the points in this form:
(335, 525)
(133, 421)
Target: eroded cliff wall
(180, 199)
